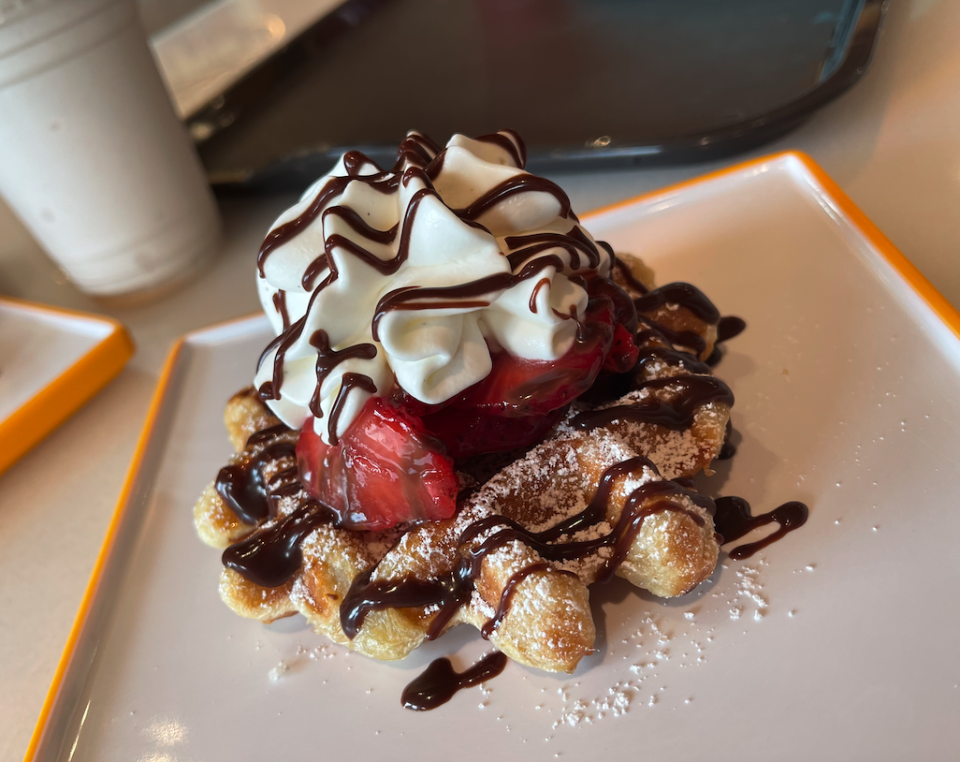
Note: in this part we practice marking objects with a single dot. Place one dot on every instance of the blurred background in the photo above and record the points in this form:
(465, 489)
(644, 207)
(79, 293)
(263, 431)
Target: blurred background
(139, 117)
(274, 90)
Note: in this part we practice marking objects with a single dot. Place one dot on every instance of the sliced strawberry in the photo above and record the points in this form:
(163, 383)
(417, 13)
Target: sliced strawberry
(518, 388)
(623, 352)
(472, 432)
(387, 469)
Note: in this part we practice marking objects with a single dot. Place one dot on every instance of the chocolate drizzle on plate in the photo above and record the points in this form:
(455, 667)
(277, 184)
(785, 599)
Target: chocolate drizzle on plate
(440, 681)
(730, 326)
(728, 449)
(733, 520)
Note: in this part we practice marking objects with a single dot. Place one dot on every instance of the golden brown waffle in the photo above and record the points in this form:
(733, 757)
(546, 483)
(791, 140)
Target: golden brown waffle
(546, 622)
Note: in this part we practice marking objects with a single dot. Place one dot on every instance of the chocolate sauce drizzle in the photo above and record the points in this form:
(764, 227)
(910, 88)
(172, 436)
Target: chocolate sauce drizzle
(452, 590)
(440, 681)
(574, 242)
(359, 225)
(288, 230)
(265, 435)
(511, 187)
(728, 449)
(463, 296)
(349, 382)
(695, 392)
(506, 597)
(413, 298)
(241, 485)
(328, 359)
(271, 556)
(682, 294)
(733, 520)
(280, 305)
(535, 292)
(672, 358)
(625, 272)
(511, 142)
(654, 331)
(730, 326)
(417, 157)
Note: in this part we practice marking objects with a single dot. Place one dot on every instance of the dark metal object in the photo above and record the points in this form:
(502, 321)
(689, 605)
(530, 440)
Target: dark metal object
(275, 99)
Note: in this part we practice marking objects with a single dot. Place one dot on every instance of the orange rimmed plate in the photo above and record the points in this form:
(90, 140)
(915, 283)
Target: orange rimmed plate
(836, 643)
(52, 361)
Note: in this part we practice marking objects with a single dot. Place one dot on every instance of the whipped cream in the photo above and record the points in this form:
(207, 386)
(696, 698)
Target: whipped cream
(409, 276)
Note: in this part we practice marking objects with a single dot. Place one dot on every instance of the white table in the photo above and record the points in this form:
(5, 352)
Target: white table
(892, 143)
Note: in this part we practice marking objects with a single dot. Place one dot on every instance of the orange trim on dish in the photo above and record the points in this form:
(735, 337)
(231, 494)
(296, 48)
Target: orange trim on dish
(63, 396)
(907, 270)
(105, 550)
(669, 190)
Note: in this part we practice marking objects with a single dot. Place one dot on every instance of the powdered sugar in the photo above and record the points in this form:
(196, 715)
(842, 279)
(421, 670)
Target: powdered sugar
(657, 647)
(748, 592)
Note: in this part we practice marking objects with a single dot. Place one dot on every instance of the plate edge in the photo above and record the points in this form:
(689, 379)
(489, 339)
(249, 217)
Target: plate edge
(909, 272)
(106, 548)
(817, 176)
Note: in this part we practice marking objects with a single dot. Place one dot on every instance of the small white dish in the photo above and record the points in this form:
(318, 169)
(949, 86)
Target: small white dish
(51, 361)
(836, 643)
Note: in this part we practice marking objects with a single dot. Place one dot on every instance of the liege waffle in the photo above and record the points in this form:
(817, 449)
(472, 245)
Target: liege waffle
(526, 591)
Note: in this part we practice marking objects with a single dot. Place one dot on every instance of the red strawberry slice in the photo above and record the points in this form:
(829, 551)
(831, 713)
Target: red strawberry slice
(623, 352)
(387, 469)
(520, 400)
(471, 432)
(518, 388)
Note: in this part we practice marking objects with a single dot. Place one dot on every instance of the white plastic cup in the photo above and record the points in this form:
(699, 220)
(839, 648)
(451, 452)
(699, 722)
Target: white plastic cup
(92, 157)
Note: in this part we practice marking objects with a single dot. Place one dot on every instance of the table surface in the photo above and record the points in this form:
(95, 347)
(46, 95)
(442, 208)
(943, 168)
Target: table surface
(891, 143)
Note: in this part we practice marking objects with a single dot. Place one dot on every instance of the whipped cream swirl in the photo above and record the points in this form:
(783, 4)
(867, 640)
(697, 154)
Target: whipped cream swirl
(412, 276)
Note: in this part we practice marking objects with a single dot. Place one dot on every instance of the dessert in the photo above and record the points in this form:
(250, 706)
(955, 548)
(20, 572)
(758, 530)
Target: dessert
(472, 411)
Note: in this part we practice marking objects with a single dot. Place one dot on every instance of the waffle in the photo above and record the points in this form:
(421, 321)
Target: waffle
(605, 493)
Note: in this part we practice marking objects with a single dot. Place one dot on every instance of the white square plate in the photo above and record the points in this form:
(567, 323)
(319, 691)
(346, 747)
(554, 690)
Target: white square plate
(836, 643)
